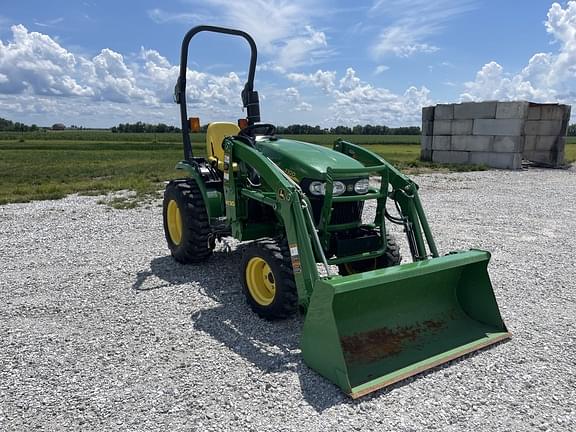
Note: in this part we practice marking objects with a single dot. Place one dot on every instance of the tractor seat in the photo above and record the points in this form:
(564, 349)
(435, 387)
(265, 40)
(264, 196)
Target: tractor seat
(215, 135)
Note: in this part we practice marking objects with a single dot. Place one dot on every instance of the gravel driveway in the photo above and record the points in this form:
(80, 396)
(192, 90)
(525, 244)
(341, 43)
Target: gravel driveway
(101, 330)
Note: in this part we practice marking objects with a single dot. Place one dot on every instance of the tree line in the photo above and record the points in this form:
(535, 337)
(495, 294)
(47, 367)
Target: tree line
(368, 129)
(140, 127)
(295, 129)
(10, 126)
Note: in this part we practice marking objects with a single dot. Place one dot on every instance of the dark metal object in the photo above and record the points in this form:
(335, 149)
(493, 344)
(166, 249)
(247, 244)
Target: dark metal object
(249, 96)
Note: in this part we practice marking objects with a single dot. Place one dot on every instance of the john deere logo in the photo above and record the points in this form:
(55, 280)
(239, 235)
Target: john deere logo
(291, 174)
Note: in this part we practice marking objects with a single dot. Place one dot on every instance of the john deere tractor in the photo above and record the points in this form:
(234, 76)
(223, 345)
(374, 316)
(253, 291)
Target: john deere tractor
(373, 322)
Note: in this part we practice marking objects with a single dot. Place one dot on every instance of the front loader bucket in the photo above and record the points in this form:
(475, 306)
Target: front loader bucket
(369, 330)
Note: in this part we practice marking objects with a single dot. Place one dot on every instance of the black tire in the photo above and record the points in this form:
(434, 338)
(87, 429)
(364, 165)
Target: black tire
(191, 245)
(390, 258)
(283, 301)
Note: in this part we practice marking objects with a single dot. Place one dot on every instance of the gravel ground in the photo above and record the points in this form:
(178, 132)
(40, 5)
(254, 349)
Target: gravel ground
(101, 330)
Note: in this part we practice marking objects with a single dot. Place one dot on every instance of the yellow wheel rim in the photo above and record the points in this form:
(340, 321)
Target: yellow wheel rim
(174, 220)
(260, 280)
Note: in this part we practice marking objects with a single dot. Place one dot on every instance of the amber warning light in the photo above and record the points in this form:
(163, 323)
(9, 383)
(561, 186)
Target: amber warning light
(242, 123)
(194, 124)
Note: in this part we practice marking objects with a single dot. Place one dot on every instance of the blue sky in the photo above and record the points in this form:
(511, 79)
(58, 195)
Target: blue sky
(100, 63)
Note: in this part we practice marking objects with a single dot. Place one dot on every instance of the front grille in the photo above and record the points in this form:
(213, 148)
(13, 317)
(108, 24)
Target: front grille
(342, 212)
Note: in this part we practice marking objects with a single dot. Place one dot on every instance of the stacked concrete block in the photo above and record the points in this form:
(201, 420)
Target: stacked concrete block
(545, 133)
(496, 134)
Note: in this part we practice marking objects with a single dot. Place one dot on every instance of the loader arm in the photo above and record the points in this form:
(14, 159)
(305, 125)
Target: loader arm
(285, 198)
(405, 194)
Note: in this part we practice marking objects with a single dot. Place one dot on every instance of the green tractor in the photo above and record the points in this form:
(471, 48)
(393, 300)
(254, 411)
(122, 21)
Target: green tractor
(375, 321)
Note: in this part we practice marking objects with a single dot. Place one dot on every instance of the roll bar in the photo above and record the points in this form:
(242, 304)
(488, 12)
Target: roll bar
(250, 99)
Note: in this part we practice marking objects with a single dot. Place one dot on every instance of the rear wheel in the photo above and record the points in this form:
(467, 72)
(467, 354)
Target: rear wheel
(186, 224)
(268, 279)
(390, 258)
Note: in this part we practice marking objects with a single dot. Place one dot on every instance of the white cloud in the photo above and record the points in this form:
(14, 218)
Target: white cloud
(113, 80)
(412, 25)
(302, 49)
(161, 17)
(293, 98)
(322, 79)
(282, 29)
(34, 65)
(402, 41)
(548, 77)
(356, 101)
(381, 69)
(292, 94)
(303, 106)
(49, 23)
(352, 100)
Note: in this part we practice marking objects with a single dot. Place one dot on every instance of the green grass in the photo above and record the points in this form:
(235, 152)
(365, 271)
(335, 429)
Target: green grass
(107, 136)
(53, 168)
(570, 150)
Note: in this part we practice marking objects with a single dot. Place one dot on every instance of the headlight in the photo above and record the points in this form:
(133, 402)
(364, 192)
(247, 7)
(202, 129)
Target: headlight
(361, 186)
(339, 188)
(319, 188)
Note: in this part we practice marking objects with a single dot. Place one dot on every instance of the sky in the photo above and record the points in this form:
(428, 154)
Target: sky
(101, 63)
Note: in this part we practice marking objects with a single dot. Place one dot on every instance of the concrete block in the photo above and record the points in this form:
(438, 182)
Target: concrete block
(475, 110)
(508, 144)
(443, 127)
(500, 127)
(543, 127)
(426, 142)
(508, 110)
(427, 113)
(552, 112)
(471, 143)
(444, 112)
(560, 158)
(564, 128)
(441, 143)
(451, 157)
(462, 127)
(427, 127)
(546, 143)
(567, 112)
(426, 155)
(497, 160)
(530, 142)
(534, 112)
(545, 158)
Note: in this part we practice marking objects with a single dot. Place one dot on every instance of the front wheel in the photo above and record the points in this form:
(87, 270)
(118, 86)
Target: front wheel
(268, 280)
(390, 258)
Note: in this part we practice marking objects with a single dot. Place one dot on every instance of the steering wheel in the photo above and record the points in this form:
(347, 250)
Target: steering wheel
(249, 131)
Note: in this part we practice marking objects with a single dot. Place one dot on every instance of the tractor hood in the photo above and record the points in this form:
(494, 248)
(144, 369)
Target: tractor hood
(302, 160)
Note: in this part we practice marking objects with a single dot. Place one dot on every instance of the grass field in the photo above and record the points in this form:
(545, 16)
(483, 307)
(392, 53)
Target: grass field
(106, 136)
(51, 165)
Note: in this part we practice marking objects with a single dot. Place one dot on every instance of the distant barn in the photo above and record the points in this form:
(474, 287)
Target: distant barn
(58, 126)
